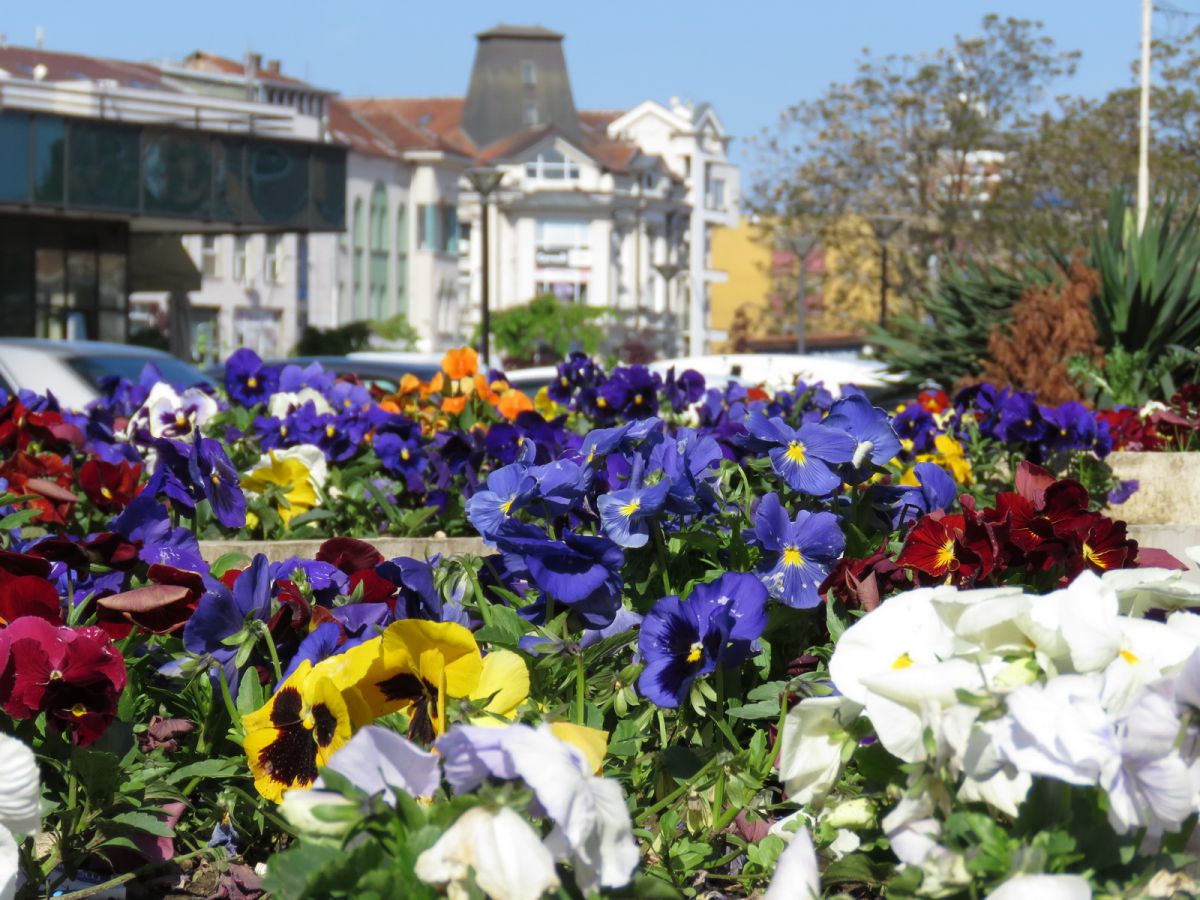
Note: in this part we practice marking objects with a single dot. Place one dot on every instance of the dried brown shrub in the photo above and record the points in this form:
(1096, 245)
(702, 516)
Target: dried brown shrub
(1049, 327)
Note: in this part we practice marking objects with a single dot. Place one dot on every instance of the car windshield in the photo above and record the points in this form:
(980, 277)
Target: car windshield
(176, 373)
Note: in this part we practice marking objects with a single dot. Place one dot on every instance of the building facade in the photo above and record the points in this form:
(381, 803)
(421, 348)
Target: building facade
(105, 163)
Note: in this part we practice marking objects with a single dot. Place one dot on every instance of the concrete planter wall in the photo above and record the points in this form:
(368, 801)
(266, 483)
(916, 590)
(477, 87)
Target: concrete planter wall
(390, 547)
(1168, 488)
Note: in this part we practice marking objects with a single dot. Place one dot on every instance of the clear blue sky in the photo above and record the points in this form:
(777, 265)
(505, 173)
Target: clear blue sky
(750, 59)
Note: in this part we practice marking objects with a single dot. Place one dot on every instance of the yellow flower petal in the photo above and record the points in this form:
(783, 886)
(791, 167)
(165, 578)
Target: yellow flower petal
(505, 678)
(591, 742)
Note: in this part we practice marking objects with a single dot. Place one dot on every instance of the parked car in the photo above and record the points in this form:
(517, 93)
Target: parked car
(386, 373)
(73, 371)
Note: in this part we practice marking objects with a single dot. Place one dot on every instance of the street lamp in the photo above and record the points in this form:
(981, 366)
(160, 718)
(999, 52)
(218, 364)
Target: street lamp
(668, 271)
(802, 245)
(884, 226)
(484, 182)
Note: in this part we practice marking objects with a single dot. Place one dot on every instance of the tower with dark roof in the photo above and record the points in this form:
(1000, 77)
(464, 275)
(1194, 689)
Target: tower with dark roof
(519, 81)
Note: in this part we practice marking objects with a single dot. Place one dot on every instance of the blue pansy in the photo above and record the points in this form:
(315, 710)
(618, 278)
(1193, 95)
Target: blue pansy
(625, 514)
(508, 489)
(247, 380)
(797, 553)
(869, 426)
(803, 457)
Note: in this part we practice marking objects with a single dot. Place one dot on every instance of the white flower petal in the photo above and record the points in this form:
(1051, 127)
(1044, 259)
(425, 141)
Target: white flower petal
(9, 865)
(811, 745)
(1043, 887)
(20, 788)
(509, 860)
(796, 876)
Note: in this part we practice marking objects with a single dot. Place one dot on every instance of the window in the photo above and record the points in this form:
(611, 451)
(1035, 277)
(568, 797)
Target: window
(562, 243)
(716, 193)
(528, 72)
(358, 253)
(209, 262)
(273, 260)
(426, 226)
(437, 227)
(574, 291)
(402, 259)
(239, 259)
(529, 115)
(553, 166)
(380, 247)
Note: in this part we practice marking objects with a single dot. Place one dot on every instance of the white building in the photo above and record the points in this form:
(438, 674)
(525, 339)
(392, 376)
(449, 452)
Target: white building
(612, 209)
(595, 207)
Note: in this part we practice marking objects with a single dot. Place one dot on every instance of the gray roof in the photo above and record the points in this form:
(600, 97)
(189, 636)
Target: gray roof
(518, 70)
(529, 32)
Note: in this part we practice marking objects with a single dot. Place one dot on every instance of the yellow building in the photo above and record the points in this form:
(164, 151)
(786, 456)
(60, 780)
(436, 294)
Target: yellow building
(744, 253)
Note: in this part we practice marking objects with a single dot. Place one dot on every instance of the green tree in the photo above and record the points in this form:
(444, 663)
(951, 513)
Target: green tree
(544, 330)
(922, 137)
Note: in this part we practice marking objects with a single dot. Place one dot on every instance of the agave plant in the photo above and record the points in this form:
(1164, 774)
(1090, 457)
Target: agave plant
(1149, 298)
(948, 342)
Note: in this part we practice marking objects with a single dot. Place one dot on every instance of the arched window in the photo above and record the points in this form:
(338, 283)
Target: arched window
(358, 252)
(380, 247)
(402, 259)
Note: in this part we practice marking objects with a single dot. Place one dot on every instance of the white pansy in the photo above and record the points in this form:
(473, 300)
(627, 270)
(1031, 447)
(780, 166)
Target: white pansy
(990, 625)
(1043, 887)
(914, 834)
(309, 454)
(905, 631)
(20, 788)
(1148, 651)
(812, 746)
(1139, 590)
(1076, 629)
(592, 826)
(506, 855)
(1060, 730)
(167, 413)
(796, 875)
(284, 403)
(1152, 787)
(988, 778)
(9, 865)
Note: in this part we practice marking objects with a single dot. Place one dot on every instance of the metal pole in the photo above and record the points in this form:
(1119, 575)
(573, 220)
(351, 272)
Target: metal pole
(802, 312)
(1143, 188)
(883, 287)
(484, 284)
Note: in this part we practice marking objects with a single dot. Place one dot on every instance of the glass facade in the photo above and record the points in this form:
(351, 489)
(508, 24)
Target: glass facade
(127, 170)
(63, 279)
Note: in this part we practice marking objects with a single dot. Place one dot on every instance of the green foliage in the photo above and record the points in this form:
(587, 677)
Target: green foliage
(398, 331)
(948, 342)
(149, 336)
(544, 329)
(1149, 295)
(1133, 379)
(338, 341)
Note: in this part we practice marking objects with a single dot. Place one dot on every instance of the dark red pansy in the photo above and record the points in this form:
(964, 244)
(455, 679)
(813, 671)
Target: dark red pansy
(112, 550)
(349, 554)
(110, 486)
(375, 588)
(74, 675)
(29, 595)
(14, 564)
(1105, 546)
(162, 607)
(931, 547)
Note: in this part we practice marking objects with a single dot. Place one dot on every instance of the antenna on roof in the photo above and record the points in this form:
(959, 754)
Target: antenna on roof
(39, 36)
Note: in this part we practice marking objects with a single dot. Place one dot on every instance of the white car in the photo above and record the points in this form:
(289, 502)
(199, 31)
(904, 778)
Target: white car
(778, 371)
(73, 371)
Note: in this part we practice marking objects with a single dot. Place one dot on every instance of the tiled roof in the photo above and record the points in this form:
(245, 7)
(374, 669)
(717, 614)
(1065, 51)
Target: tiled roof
(434, 123)
(20, 62)
(347, 126)
(203, 61)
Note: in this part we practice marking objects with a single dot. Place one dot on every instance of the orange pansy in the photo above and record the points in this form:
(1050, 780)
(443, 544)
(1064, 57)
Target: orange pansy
(461, 362)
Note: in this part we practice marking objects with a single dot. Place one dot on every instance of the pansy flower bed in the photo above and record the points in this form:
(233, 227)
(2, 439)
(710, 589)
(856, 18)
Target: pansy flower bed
(719, 642)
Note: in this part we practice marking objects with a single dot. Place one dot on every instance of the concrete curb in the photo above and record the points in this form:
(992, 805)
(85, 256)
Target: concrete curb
(390, 547)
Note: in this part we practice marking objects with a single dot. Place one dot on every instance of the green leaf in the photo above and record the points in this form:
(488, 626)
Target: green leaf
(251, 694)
(144, 822)
(763, 709)
(505, 629)
(856, 868)
(206, 768)
(227, 561)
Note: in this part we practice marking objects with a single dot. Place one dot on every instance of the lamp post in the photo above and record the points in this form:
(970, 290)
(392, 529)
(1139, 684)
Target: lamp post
(802, 245)
(668, 271)
(884, 226)
(484, 182)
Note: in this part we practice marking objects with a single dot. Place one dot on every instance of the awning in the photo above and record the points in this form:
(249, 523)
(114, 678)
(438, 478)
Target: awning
(159, 263)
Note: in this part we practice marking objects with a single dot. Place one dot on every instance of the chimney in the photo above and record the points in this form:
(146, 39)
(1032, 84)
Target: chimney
(253, 63)
(273, 66)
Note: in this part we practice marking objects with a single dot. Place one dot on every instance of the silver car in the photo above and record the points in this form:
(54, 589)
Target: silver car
(73, 371)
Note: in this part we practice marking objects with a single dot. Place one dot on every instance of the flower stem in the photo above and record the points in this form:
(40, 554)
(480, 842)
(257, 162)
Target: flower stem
(661, 549)
(580, 689)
